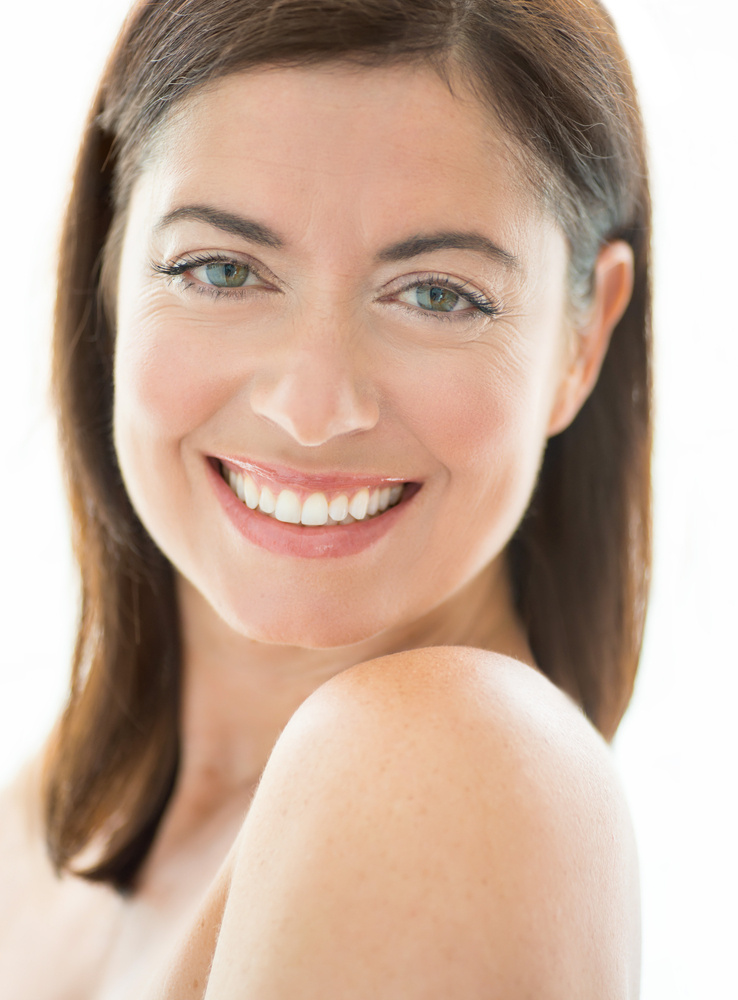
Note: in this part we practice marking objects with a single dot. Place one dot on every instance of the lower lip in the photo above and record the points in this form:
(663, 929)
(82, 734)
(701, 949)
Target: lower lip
(296, 539)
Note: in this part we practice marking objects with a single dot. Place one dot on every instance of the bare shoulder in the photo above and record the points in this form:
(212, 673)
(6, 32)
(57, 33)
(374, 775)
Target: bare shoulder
(20, 834)
(24, 872)
(467, 685)
(27, 880)
(434, 823)
(465, 721)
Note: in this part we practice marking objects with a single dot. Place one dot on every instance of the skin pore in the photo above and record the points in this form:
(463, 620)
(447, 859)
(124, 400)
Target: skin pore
(329, 359)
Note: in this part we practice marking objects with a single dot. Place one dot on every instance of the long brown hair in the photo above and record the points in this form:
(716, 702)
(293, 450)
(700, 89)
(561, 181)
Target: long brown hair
(556, 76)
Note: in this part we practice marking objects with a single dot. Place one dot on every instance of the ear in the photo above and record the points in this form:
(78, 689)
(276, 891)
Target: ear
(613, 287)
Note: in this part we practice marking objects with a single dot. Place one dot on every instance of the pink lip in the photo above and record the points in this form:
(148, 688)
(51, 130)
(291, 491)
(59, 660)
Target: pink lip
(295, 539)
(315, 482)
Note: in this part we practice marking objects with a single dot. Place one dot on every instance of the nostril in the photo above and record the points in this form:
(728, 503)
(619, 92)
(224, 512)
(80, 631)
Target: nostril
(313, 411)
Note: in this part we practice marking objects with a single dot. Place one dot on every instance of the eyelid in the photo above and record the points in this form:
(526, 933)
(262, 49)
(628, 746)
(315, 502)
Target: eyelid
(479, 302)
(180, 264)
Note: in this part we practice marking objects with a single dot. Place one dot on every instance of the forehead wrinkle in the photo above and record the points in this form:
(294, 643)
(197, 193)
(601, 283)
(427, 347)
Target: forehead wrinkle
(490, 144)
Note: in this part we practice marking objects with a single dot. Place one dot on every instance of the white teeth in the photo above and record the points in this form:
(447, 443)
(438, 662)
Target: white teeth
(359, 504)
(314, 510)
(244, 487)
(338, 508)
(266, 501)
(288, 507)
(251, 492)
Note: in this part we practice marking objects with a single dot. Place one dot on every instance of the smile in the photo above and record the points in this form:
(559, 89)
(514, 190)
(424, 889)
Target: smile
(316, 509)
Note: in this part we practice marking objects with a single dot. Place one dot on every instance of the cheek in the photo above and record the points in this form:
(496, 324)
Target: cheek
(484, 416)
(484, 409)
(167, 386)
(167, 381)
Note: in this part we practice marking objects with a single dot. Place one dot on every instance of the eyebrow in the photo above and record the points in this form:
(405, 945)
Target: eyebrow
(235, 225)
(413, 246)
(416, 245)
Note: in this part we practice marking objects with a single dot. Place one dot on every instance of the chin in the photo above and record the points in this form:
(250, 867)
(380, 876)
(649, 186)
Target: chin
(309, 635)
(314, 625)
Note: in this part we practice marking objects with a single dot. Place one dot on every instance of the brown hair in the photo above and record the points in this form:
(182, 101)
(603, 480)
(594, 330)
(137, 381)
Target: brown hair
(555, 74)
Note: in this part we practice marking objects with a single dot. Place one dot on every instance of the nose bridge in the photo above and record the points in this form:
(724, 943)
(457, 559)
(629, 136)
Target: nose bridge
(318, 385)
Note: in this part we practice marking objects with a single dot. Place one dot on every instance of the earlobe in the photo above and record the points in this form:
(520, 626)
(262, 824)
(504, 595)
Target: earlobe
(613, 287)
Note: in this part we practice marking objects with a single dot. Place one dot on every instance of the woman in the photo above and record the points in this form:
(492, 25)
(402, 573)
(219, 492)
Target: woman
(351, 366)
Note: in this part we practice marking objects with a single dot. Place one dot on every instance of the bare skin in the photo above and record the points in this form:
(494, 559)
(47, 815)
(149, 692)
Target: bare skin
(105, 947)
(328, 363)
(509, 869)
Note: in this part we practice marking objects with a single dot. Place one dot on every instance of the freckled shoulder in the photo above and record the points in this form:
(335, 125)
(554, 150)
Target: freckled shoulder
(441, 822)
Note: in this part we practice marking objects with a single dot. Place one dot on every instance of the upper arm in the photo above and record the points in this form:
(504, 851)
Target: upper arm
(440, 823)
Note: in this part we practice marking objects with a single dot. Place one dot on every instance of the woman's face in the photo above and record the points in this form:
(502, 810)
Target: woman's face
(334, 282)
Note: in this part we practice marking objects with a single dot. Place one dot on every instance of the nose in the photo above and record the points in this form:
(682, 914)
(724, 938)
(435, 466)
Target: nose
(316, 393)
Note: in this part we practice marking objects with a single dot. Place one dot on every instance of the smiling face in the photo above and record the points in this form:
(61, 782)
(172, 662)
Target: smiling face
(334, 282)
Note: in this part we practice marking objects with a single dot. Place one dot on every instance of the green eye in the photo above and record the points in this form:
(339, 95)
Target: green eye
(435, 298)
(226, 275)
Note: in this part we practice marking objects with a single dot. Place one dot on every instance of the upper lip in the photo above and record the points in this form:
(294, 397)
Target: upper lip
(318, 481)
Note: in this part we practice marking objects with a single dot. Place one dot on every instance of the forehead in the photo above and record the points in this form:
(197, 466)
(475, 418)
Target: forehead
(361, 151)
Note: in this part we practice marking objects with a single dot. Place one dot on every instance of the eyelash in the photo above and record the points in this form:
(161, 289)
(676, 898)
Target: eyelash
(180, 268)
(477, 299)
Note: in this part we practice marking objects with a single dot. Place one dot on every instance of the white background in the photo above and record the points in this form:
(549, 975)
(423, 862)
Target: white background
(676, 747)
